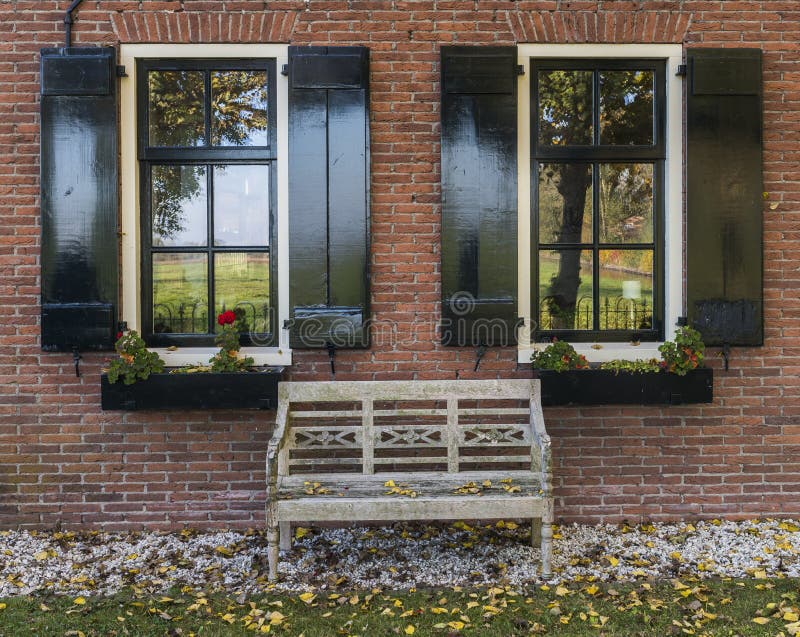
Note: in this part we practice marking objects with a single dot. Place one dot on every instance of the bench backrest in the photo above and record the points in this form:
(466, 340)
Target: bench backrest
(407, 426)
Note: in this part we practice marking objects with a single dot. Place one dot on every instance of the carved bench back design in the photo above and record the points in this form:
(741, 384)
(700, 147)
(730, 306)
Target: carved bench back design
(404, 427)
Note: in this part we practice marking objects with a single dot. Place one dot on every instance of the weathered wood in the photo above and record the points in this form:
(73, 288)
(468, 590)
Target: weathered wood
(373, 463)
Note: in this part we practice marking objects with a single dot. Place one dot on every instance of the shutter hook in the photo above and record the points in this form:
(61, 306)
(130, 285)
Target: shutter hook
(76, 359)
(479, 354)
(726, 352)
(331, 355)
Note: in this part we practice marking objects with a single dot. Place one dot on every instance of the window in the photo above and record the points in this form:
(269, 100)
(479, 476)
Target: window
(600, 196)
(207, 164)
(204, 183)
(598, 173)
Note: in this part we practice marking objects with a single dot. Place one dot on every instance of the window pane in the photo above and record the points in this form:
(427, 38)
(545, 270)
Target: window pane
(180, 293)
(626, 107)
(241, 279)
(565, 203)
(626, 203)
(175, 106)
(565, 290)
(626, 289)
(179, 205)
(241, 205)
(239, 108)
(565, 108)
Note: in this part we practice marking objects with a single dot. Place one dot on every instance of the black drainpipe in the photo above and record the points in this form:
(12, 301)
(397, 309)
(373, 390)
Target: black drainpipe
(68, 21)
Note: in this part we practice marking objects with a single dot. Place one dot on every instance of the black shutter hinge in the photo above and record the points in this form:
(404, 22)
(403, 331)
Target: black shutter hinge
(285, 70)
(121, 71)
(681, 72)
(520, 69)
(479, 354)
(682, 321)
(288, 324)
(332, 356)
(726, 353)
(76, 359)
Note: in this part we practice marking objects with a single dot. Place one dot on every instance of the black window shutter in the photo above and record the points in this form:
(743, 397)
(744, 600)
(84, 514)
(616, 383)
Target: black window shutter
(79, 198)
(479, 195)
(329, 196)
(724, 186)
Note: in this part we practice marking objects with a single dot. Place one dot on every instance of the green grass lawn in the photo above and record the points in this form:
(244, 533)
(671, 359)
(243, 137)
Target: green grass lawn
(642, 609)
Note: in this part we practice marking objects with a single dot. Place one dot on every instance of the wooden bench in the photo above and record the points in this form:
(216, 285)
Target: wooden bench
(415, 450)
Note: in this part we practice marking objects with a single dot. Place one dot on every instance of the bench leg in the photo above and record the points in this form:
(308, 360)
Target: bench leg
(285, 536)
(272, 538)
(547, 540)
(536, 532)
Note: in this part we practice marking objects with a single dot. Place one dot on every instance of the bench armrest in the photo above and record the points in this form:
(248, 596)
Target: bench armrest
(279, 437)
(542, 447)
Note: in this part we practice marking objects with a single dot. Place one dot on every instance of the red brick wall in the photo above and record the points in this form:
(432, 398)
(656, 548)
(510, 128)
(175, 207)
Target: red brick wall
(62, 459)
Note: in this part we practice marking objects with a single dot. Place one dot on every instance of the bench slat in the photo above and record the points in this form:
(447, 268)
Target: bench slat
(333, 391)
(421, 508)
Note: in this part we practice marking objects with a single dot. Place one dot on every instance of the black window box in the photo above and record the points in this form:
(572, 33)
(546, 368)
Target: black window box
(607, 387)
(200, 390)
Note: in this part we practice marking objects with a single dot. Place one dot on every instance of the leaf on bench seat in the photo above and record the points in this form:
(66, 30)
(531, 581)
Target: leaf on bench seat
(402, 489)
(315, 488)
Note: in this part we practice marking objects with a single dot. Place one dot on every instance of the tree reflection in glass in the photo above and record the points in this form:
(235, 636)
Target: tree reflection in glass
(179, 205)
(565, 108)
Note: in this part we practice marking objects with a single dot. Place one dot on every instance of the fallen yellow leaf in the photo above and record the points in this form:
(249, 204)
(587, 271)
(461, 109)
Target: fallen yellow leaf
(80, 601)
(760, 620)
(307, 597)
(409, 630)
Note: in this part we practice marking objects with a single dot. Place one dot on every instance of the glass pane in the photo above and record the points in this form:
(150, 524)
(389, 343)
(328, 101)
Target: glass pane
(565, 203)
(626, 289)
(241, 205)
(241, 279)
(239, 108)
(626, 203)
(175, 106)
(179, 205)
(626, 107)
(565, 108)
(565, 290)
(180, 293)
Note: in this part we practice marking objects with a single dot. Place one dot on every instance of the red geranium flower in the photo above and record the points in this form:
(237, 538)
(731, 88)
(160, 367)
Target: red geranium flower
(119, 335)
(226, 318)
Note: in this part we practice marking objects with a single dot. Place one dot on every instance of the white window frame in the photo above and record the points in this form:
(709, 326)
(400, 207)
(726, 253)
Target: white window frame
(130, 211)
(672, 54)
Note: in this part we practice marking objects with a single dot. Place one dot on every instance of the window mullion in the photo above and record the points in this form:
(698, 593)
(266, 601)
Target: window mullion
(595, 246)
(210, 245)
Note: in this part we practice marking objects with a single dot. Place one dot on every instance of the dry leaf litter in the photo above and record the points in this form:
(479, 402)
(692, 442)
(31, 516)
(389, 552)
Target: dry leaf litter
(398, 557)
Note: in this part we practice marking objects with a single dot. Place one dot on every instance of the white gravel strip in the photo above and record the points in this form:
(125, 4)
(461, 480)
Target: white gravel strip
(397, 557)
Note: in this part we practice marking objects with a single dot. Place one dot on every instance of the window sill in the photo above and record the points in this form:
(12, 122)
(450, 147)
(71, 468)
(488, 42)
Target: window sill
(201, 390)
(601, 352)
(262, 356)
(606, 387)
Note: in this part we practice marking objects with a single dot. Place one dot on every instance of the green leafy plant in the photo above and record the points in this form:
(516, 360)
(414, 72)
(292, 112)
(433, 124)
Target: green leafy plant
(683, 354)
(135, 361)
(634, 367)
(559, 356)
(227, 358)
